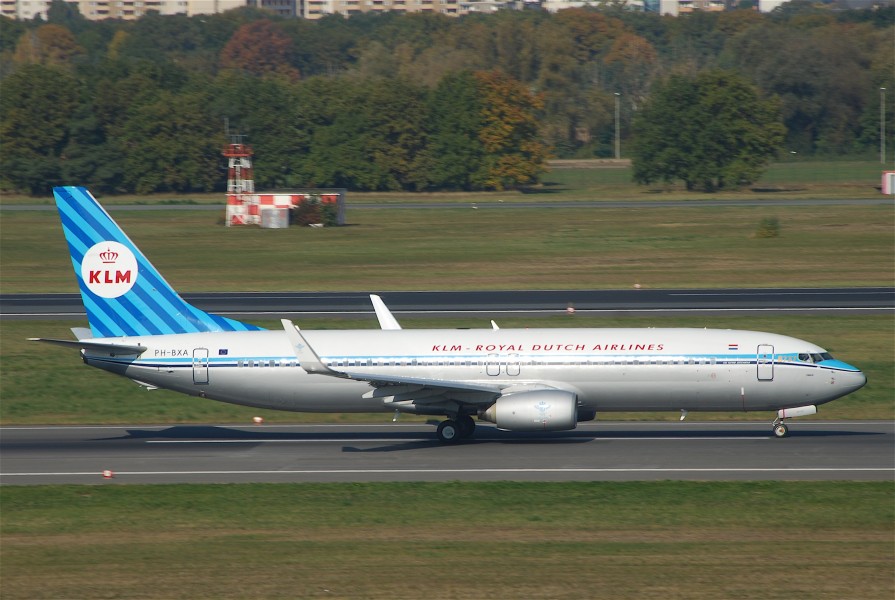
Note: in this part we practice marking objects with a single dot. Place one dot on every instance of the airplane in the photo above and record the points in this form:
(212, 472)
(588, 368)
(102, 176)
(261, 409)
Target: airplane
(517, 379)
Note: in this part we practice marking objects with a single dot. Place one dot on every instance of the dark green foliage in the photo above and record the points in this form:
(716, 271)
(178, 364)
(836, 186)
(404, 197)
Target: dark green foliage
(373, 138)
(34, 125)
(710, 131)
(455, 152)
(389, 101)
(171, 146)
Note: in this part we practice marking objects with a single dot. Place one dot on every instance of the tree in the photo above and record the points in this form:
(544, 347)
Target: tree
(48, 45)
(266, 111)
(35, 108)
(821, 76)
(455, 152)
(514, 155)
(67, 15)
(632, 63)
(712, 130)
(260, 48)
(372, 137)
(172, 145)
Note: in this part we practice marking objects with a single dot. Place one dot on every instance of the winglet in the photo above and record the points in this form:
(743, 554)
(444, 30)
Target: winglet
(308, 359)
(386, 318)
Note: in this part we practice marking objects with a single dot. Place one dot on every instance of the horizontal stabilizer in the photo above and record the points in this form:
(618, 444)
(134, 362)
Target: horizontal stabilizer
(111, 348)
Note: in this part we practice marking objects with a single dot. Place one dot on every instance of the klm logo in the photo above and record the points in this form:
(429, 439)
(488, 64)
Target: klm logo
(109, 269)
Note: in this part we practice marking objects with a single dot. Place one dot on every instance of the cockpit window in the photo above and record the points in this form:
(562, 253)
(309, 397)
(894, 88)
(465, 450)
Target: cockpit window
(815, 357)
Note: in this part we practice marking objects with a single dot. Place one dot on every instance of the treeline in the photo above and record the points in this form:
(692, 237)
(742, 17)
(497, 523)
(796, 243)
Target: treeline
(412, 102)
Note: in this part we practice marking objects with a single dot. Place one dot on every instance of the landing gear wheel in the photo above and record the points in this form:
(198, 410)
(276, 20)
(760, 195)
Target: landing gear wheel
(448, 432)
(781, 430)
(467, 426)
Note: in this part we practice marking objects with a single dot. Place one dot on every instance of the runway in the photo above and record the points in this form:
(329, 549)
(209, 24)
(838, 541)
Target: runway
(494, 304)
(608, 451)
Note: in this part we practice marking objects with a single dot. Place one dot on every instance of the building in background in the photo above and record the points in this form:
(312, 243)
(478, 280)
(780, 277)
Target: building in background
(129, 10)
(316, 9)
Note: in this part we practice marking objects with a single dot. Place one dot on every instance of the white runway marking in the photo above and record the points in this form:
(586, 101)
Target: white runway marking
(468, 471)
(430, 439)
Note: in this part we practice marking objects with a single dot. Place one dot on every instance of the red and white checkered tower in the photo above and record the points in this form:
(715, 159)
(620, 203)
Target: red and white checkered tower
(242, 203)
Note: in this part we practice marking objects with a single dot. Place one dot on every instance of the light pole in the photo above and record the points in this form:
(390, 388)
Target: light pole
(618, 142)
(882, 125)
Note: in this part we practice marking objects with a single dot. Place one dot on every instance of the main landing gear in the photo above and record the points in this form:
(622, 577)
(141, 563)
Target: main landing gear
(452, 431)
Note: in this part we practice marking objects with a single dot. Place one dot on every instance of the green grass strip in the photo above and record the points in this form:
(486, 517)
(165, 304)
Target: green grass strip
(450, 540)
(486, 248)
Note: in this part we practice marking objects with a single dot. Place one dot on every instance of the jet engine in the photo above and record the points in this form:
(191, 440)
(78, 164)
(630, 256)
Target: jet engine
(539, 410)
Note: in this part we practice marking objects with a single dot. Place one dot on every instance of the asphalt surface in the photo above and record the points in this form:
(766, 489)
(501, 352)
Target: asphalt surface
(494, 304)
(815, 450)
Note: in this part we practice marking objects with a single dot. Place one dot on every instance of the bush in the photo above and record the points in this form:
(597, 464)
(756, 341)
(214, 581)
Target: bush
(769, 227)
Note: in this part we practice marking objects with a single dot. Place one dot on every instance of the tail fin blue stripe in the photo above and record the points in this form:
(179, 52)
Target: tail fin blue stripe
(121, 299)
(161, 300)
(155, 320)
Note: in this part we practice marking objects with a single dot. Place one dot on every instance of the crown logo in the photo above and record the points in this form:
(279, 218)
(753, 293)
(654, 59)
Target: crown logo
(108, 256)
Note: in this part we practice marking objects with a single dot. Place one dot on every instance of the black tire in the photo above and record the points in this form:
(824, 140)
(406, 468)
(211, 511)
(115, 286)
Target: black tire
(467, 426)
(781, 430)
(448, 432)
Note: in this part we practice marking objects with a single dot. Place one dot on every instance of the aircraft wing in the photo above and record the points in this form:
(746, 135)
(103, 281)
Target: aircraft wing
(422, 390)
(111, 348)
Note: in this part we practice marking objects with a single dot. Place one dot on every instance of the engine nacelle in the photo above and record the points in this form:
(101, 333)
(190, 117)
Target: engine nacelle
(539, 410)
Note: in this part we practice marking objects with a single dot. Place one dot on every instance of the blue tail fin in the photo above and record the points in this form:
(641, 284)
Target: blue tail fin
(123, 293)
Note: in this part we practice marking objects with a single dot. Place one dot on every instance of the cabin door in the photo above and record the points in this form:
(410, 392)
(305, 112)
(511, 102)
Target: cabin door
(765, 362)
(200, 366)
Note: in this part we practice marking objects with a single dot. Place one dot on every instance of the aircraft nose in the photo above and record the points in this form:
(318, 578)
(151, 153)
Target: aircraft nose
(852, 379)
(857, 380)
(845, 376)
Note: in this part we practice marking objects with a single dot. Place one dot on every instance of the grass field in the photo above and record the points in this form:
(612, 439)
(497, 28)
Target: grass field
(663, 540)
(45, 384)
(604, 180)
(453, 540)
(494, 248)
(498, 247)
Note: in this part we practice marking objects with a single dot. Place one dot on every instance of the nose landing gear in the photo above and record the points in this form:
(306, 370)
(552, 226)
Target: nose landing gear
(779, 427)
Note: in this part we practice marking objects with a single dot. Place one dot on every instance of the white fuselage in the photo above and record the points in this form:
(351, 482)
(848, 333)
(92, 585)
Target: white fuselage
(607, 369)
